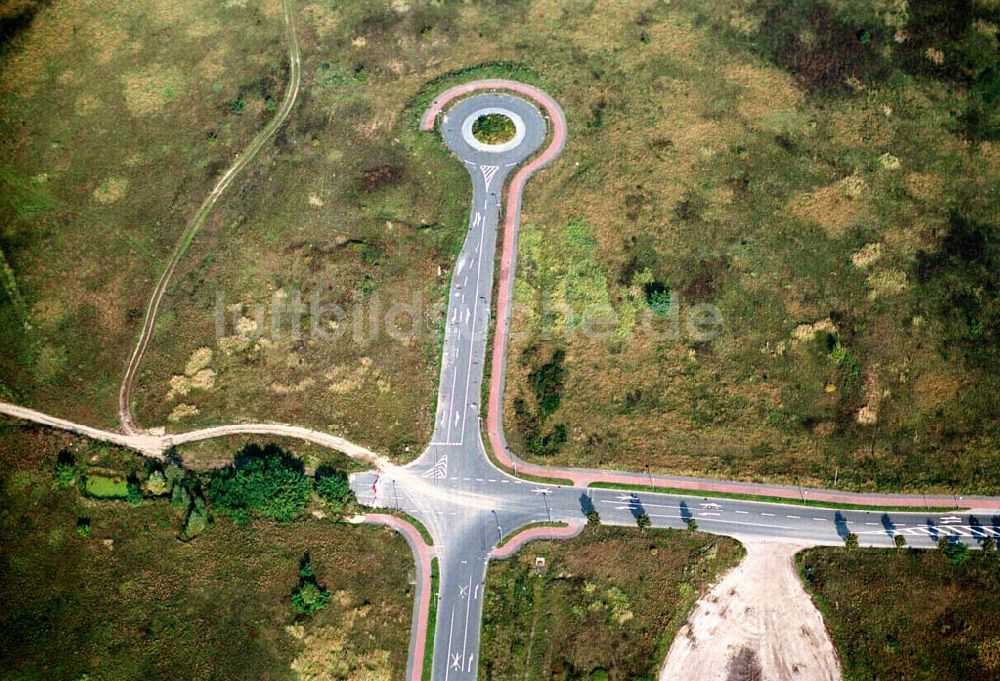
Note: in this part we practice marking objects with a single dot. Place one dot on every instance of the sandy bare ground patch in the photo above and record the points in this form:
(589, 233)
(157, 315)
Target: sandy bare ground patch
(757, 623)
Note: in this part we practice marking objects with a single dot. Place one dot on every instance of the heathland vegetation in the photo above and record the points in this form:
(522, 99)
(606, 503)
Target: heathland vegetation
(604, 605)
(908, 614)
(165, 583)
(821, 172)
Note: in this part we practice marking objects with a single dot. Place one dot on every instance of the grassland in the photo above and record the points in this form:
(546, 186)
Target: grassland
(833, 198)
(607, 605)
(115, 119)
(908, 614)
(132, 601)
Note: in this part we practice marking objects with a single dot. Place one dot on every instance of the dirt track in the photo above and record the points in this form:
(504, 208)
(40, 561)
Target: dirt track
(757, 624)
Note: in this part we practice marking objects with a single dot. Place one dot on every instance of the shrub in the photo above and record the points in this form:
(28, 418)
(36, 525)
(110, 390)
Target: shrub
(102, 487)
(956, 552)
(83, 527)
(263, 480)
(658, 297)
(133, 492)
(493, 129)
(547, 381)
(310, 598)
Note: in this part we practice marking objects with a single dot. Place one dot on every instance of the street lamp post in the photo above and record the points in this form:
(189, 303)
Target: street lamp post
(499, 531)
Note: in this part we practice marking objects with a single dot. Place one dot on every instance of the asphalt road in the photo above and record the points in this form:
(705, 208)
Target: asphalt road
(469, 505)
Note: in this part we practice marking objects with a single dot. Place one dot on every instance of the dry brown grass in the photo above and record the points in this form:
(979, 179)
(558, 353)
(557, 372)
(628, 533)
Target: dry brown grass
(830, 207)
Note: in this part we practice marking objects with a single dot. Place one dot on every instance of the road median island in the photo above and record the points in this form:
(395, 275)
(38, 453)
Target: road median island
(534, 532)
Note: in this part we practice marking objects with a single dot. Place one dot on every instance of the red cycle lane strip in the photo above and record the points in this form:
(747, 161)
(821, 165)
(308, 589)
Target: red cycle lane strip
(584, 477)
(422, 554)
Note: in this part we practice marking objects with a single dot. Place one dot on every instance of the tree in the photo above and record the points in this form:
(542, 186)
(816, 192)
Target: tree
(899, 540)
(196, 520)
(134, 493)
(264, 480)
(309, 597)
(692, 524)
(65, 469)
(593, 520)
(643, 521)
(83, 527)
(989, 545)
(156, 483)
(334, 488)
(851, 541)
(180, 498)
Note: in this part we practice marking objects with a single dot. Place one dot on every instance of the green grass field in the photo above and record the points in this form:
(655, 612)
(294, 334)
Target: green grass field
(130, 600)
(606, 607)
(101, 487)
(908, 614)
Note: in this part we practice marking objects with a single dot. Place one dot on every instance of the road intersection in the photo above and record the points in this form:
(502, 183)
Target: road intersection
(469, 504)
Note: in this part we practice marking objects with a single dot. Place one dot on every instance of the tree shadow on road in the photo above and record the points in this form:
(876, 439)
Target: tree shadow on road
(686, 515)
(635, 506)
(841, 522)
(890, 527)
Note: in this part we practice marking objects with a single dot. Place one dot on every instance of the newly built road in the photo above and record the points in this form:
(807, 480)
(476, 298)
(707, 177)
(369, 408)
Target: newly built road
(469, 504)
